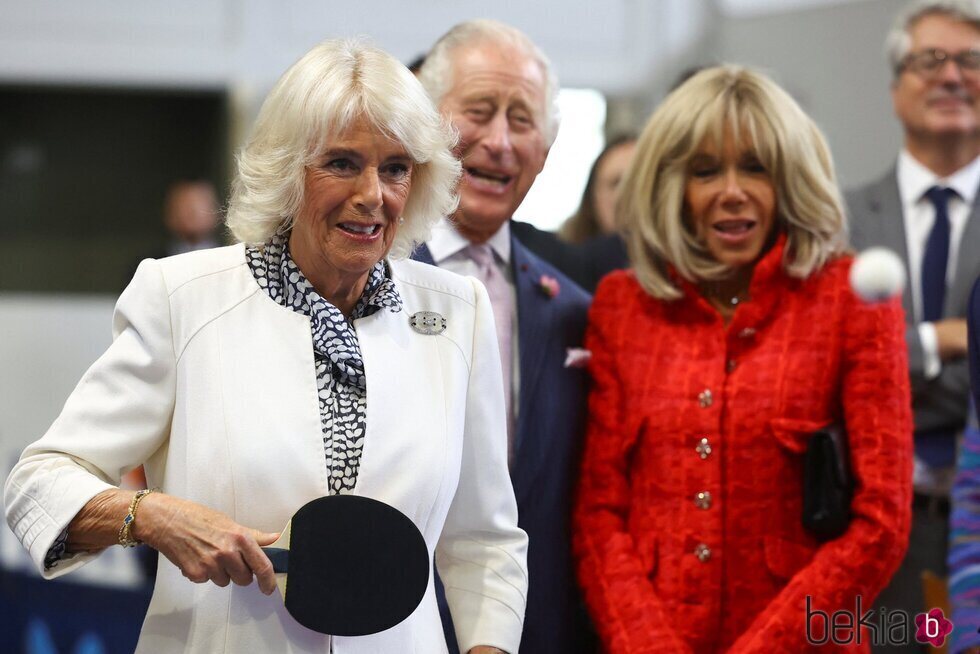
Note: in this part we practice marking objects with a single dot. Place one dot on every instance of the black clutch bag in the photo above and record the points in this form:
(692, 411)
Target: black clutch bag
(827, 484)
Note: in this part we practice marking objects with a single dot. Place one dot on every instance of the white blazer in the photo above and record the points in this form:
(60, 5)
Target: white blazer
(212, 385)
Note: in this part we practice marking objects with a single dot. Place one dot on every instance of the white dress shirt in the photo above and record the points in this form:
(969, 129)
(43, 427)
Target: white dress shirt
(919, 214)
(446, 247)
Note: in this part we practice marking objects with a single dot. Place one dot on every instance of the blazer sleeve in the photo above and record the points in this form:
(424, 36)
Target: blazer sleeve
(877, 416)
(482, 554)
(627, 612)
(947, 393)
(917, 357)
(117, 416)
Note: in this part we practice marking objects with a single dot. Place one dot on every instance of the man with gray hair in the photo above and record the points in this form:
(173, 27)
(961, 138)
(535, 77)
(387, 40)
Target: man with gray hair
(500, 93)
(925, 209)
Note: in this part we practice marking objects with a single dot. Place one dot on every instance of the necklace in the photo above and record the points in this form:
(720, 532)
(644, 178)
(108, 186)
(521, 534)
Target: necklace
(714, 291)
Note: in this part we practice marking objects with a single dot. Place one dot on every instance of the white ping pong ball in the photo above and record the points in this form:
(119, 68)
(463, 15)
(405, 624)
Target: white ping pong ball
(877, 275)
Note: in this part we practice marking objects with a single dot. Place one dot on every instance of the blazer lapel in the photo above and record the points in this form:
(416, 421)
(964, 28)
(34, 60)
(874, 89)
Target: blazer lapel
(885, 204)
(534, 317)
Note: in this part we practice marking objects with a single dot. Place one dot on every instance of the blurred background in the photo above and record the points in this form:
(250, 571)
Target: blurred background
(104, 103)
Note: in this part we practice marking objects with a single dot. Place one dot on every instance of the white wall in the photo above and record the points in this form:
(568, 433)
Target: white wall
(610, 45)
(831, 59)
(48, 342)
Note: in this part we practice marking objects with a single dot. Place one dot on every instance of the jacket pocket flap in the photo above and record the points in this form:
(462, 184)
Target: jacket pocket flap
(794, 434)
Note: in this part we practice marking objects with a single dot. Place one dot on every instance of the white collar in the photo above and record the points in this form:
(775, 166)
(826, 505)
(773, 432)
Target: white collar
(914, 179)
(446, 242)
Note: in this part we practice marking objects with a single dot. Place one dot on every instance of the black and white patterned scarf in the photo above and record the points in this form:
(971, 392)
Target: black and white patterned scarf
(337, 352)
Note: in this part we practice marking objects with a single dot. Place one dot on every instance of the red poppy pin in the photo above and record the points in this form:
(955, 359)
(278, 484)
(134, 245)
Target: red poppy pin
(549, 286)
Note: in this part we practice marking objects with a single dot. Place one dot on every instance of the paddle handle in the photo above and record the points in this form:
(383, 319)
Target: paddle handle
(279, 557)
(278, 553)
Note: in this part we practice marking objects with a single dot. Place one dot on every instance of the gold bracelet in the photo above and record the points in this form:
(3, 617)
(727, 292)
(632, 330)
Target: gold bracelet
(125, 532)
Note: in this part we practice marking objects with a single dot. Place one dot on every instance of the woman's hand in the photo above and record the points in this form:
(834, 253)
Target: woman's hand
(205, 544)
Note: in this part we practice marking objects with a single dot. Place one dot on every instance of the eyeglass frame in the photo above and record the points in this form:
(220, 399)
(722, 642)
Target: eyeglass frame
(957, 58)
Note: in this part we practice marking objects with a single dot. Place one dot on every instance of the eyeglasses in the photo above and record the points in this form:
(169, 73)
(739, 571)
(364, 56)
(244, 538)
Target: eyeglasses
(928, 63)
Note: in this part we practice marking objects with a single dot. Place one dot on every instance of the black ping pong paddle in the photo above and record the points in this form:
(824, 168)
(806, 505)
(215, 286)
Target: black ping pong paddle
(350, 566)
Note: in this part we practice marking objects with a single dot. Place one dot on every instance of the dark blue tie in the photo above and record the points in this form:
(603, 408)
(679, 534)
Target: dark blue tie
(937, 448)
(936, 256)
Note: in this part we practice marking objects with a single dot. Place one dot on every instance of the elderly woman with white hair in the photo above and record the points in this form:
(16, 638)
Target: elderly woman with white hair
(251, 379)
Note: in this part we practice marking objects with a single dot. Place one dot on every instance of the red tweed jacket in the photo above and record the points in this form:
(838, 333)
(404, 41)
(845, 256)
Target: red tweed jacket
(687, 531)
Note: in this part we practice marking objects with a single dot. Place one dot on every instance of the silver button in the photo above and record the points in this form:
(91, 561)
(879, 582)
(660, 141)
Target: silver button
(703, 448)
(705, 399)
(703, 500)
(730, 365)
(703, 552)
(748, 332)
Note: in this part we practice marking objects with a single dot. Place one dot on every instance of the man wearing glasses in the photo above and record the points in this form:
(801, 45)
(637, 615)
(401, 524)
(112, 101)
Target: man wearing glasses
(925, 209)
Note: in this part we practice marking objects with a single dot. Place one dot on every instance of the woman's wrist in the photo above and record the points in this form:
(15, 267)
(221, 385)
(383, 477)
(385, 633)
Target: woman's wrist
(96, 525)
(127, 537)
(153, 512)
(100, 522)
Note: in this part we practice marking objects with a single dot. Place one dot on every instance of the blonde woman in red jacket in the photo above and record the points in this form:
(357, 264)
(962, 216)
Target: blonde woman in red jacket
(735, 337)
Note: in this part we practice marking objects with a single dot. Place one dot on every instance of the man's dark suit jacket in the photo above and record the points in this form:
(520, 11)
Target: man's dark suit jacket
(585, 263)
(547, 442)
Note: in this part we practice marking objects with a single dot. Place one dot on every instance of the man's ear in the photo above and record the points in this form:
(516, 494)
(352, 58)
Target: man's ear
(544, 159)
(892, 92)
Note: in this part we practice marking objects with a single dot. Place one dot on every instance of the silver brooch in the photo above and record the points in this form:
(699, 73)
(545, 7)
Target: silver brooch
(427, 322)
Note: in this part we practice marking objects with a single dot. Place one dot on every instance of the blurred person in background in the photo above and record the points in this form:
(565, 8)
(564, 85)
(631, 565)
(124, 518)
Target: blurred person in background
(599, 247)
(733, 339)
(191, 216)
(499, 91)
(926, 210)
(596, 215)
(241, 378)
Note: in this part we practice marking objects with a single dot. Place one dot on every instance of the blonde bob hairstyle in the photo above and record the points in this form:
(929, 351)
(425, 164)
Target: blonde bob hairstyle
(323, 94)
(785, 140)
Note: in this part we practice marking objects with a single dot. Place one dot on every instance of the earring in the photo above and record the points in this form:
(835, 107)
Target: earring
(401, 221)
